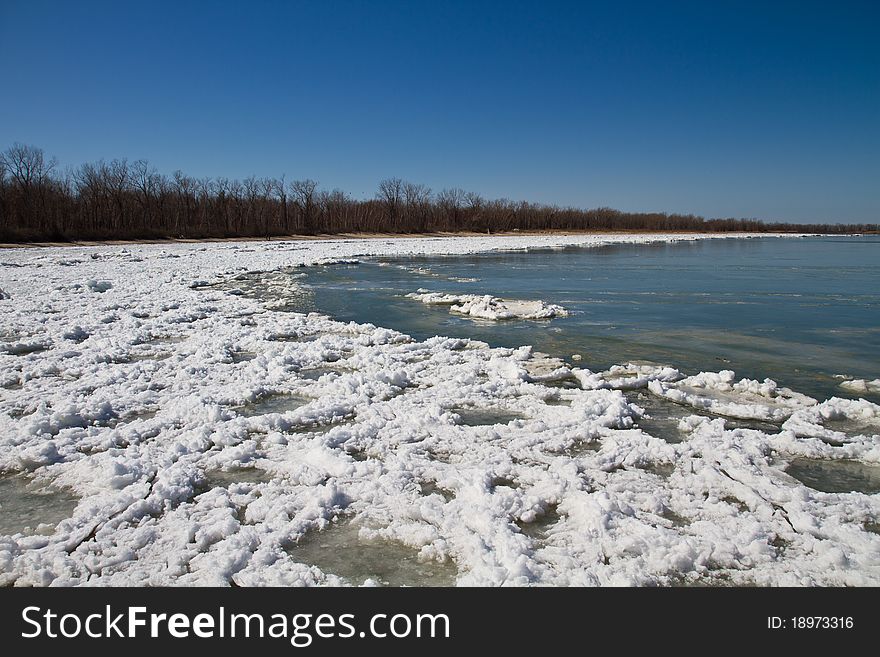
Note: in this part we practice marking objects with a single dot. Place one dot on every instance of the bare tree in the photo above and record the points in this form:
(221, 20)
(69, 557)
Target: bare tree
(303, 193)
(27, 166)
(451, 202)
(391, 195)
(119, 199)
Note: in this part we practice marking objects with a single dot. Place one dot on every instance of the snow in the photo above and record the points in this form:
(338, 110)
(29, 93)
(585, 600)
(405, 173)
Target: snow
(131, 378)
(489, 307)
(630, 376)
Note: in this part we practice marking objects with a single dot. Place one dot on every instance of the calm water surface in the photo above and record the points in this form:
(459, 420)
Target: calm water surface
(798, 310)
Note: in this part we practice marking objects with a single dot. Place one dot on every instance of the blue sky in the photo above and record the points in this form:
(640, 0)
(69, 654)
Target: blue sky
(766, 109)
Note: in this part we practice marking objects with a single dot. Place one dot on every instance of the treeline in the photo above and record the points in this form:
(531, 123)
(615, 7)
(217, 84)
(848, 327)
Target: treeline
(132, 200)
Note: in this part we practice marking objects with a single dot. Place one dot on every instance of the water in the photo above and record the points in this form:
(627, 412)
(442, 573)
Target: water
(481, 417)
(799, 311)
(339, 550)
(226, 478)
(836, 476)
(25, 506)
(272, 404)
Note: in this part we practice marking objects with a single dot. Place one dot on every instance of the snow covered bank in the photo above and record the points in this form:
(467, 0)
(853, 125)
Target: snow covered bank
(203, 437)
(489, 307)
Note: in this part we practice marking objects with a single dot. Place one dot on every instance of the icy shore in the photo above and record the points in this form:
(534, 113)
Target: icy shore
(200, 437)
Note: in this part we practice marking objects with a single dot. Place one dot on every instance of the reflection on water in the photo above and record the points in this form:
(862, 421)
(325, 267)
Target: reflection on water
(24, 506)
(339, 550)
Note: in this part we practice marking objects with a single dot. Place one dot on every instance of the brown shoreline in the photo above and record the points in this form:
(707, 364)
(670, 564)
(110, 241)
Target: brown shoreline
(359, 236)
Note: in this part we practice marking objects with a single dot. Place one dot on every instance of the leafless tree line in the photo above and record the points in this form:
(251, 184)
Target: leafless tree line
(131, 200)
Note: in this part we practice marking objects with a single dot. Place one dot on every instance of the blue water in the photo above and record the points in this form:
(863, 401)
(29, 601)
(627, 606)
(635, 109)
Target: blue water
(798, 310)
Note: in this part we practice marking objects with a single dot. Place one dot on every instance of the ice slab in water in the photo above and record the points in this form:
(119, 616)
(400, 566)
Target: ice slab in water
(481, 417)
(21, 348)
(540, 527)
(566, 383)
(279, 290)
(315, 373)
(433, 488)
(339, 550)
(273, 404)
(24, 504)
(166, 339)
(225, 478)
(854, 427)
(840, 476)
(661, 418)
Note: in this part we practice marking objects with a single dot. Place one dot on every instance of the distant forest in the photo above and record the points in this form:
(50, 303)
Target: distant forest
(132, 200)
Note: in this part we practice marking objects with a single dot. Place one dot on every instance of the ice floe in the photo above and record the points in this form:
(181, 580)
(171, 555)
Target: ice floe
(489, 307)
(721, 393)
(196, 436)
(631, 376)
(862, 386)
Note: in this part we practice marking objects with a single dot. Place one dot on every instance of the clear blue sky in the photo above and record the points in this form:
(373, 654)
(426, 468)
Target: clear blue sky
(768, 110)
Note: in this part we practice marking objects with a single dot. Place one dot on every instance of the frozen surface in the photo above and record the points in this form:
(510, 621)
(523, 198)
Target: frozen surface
(721, 393)
(862, 386)
(26, 506)
(840, 476)
(125, 372)
(364, 557)
(631, 376)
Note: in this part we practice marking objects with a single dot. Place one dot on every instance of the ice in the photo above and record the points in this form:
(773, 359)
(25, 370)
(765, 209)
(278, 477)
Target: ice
(862, 386)
(341, 550)
(836, 419)
(631, 376)
(489, 307)
(273, 403)
(476, 417)
(720, 393)
(538, 526)
(127, 405)
(660, 417)
(28, 506)
(842, 476)
(225, 478)
(98, 286)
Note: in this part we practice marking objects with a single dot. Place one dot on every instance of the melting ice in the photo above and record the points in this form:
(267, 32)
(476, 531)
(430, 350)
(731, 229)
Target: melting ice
(199, 429)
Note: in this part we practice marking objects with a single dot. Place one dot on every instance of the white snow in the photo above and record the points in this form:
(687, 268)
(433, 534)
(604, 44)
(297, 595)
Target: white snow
(630, 376)
(489, 307)
(135, 397)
